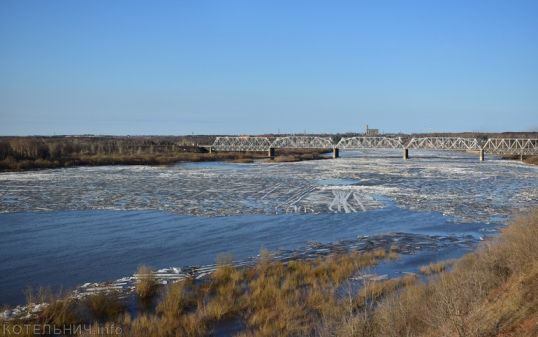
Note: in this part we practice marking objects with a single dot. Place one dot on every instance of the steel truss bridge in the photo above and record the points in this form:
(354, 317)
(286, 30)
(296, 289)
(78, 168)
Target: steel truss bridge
(501, 146)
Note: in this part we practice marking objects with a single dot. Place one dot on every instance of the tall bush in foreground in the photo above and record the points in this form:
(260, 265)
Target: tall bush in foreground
(146, 285)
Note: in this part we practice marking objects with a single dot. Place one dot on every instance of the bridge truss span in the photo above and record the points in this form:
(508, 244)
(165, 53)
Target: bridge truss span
(303, 142)
(356, 143)
(241, 144)
(444, 143)
(511, 146)
(501, 146)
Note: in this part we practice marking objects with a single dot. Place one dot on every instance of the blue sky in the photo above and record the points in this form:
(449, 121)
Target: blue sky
(232, 67)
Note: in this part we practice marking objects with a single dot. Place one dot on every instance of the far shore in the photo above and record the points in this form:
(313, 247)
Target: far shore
(159, 159)
(174, 158)
(35, 152)
(531, 160)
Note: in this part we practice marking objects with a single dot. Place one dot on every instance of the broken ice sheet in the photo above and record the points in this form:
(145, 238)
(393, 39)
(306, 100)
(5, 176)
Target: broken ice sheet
(453, 184)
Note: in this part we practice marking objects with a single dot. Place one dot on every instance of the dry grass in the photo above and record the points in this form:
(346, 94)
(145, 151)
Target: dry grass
(271, 298)
(491, 292)
(105, 306)
(436, 267)
(61, 309)
(146, 285)
(179, 298)
(64, 311)
(375, 290)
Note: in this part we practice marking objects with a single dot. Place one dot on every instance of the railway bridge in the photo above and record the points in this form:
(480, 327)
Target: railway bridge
(500, 146)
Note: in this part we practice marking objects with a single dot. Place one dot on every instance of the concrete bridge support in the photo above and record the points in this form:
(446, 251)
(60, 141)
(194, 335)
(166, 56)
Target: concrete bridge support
(336, 152)
(271, 153)
(481, 154)
(210, 149)
(405, 154)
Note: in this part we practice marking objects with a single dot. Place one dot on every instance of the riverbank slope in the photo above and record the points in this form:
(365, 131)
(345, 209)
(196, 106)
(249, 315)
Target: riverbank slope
(490, 292)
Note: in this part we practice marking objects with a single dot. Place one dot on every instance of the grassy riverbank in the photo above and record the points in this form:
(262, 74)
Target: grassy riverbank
(490, 292)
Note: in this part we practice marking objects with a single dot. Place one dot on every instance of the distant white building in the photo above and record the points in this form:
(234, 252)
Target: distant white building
(371, 132)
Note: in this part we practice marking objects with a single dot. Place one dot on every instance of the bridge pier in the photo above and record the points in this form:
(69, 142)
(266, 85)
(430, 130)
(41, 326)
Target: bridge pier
(210, 149)
(271, 153)
(405, 154)
(481, 154)
(336, 152)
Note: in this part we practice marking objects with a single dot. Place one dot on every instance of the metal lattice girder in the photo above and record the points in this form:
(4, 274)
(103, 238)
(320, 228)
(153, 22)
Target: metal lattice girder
(241, 144)
(444, 143)
(511, 146)
(369, 143)
(303, 142)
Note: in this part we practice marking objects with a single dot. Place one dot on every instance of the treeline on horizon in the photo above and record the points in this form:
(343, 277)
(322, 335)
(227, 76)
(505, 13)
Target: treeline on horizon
(39, 152)
(479, 135)
(34, 152)
(58, 147)
(19, 153)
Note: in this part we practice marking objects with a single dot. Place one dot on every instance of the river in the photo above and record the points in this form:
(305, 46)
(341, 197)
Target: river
(64, 227)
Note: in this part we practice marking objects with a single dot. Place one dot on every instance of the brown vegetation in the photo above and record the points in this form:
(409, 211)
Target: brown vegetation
(374, 290)
(21, 153)
(243, 160)
(295, 155)
(490, 292)
(533, 160)
(105, 306)
(272, 298)
(61, 309)
(24, 153)
(146, 285)
(436, 267)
